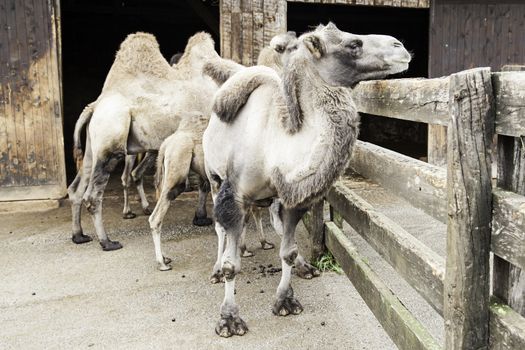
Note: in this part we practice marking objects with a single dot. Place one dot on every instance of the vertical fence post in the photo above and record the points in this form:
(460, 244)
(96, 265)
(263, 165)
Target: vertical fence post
(314, 222)
(469, 193)
(508, 280)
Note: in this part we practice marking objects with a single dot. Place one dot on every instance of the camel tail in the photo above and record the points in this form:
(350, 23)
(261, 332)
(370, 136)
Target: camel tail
(234, 94)
(83, 119)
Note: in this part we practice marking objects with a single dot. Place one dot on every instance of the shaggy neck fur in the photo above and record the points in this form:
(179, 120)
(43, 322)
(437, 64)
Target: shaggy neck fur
(313, 103)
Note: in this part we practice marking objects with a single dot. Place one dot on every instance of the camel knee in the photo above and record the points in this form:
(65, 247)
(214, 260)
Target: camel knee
(227, 210)
(289, 254)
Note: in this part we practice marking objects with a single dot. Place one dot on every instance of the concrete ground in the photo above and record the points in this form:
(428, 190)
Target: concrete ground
(58, 295)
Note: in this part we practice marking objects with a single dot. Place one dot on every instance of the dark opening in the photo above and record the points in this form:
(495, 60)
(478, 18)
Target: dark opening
(410, 26)
(92, 31)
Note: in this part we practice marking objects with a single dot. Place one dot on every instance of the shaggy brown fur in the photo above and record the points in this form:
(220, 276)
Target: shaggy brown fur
(330, 156)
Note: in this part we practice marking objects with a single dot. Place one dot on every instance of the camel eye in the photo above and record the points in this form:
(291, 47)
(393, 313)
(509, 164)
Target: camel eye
(279, 48)
(398, 44)
(355, 44)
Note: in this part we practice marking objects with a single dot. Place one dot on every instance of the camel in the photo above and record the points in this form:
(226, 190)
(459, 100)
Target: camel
(288, 138)
(182, 152)
(129, 175)
(143, 101)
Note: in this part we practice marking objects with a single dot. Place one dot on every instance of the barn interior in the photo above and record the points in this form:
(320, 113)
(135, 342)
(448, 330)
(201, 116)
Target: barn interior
(410, 26)
(93, 29)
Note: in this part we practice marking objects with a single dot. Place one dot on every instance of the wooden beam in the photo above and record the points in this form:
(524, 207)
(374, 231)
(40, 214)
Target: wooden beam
(422, 268)
(508, 226)
(422, 184)
(509, 91)
(402, 327)
(469, 191)
(509, 280)
(420, 100)
(507, 327)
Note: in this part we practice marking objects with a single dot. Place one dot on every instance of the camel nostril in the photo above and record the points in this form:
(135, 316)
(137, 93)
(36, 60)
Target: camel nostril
(397, 44)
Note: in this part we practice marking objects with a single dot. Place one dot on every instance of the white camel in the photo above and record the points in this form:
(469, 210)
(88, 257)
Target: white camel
(129, 174)
(182, 152)
(289, 138)
(143, 101)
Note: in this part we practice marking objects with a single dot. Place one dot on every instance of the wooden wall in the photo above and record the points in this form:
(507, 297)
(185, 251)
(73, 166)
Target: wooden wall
(31, 140)
(249, 25)
(472, 33)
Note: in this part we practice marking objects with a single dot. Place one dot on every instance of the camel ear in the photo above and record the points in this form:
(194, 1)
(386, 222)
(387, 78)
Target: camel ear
(292, 33)
(315, 46)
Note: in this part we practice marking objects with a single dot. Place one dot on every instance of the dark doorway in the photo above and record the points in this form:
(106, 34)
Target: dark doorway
(411, 26)
(92, 31)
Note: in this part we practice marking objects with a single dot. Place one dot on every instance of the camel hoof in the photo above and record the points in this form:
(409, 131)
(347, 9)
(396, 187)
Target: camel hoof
(147, 211)
(286, 306)
(79, 238)
(129, 215)
(228, 326)
(217, 277)
(202, 221)
(164, 267)
(307, 271)
(267, 245)
(110, 245)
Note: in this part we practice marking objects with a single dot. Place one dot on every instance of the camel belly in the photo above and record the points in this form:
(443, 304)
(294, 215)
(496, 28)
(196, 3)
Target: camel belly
(147, 133)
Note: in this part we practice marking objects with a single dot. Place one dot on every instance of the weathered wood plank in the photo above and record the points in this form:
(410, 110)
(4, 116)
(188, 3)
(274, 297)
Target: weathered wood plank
(420, 100)
(423, 184)
(422, 268)
(437, 145)
(469, 192)
(509, 91)
(258, 29)
(404, 329)
(508, 226)
(314, 222)
(507, 327)
(225, 28)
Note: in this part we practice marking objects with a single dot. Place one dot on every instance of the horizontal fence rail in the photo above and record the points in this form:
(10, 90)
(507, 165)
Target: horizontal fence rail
(508, 226)
(423, 184)
(419, 100)
(422, 268)
(402, 327)
(507, 327)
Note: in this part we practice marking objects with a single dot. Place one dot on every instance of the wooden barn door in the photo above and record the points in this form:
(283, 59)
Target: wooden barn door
(31, 140)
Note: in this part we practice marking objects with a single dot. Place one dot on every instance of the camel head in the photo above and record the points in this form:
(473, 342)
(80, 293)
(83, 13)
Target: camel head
(344, 59)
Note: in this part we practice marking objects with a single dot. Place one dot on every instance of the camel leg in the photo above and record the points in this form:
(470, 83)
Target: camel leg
(285, 302)
(216, 275)
(245, 253)
(303, 269)
(138, 177)
(201, 215)
(231, 217)
(126, 183)
(76, 191)
(103, 166)
(257, 216)
(175, 167)
(168, 193)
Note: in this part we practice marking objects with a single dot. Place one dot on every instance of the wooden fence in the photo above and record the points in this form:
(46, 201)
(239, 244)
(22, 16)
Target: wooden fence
(480, 219)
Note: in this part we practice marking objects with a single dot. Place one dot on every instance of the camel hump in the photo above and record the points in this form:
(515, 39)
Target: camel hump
(140, 53)
(234, 94)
